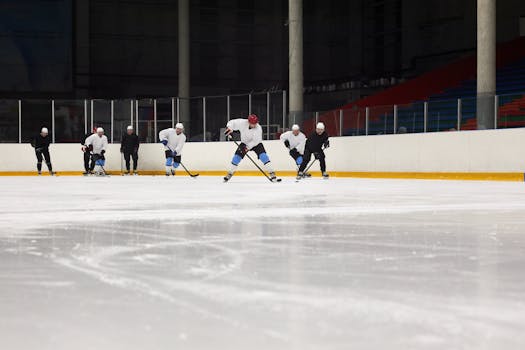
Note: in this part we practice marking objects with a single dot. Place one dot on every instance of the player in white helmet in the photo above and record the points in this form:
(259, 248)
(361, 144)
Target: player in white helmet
(295, 141)
(173, 141)
(41, 144)
(251, 140)
(129, 147)
(316, 143)
(97, 144)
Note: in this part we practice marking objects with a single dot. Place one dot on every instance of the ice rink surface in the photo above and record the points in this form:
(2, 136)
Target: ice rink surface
(180, 263)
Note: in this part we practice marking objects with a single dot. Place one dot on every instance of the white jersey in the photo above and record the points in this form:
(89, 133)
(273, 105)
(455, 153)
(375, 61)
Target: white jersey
(250, 137)
(175, 142)
(297, 142)
(99, 143)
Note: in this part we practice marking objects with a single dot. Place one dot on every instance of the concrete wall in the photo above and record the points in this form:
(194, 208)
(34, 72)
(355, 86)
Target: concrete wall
(470, 151)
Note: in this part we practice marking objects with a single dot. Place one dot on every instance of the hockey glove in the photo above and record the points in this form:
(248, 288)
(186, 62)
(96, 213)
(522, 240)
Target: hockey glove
(327, 144)
(287, 143)
(102, 152)
(243, 149)
(164, 142)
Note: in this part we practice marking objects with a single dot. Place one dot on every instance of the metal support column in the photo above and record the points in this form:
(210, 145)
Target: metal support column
(250, 104)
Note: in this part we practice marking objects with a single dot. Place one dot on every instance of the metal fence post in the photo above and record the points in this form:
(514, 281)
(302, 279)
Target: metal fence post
(112, 119)
(53, 121)
(267, 115)
(85, 116)
(284, 110)
(460, 114)
(496, 111)
(367, 120)
(316, 117)
(131, 112)
(178, 110)
(227, 108)
(250, 104)
(425, 116)
(395, 119)
(91, 105)
(204, 119)
(340, 122)
(173, 112)
(155, 120)
(19, 121)
(137, 115)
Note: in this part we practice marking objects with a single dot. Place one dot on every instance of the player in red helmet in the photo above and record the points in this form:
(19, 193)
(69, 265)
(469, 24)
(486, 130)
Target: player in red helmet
(251, 140)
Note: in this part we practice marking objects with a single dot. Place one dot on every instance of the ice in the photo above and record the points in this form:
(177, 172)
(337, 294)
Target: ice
(180, 263)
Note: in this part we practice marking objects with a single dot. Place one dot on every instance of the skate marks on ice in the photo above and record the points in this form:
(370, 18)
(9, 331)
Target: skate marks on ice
(321, 269)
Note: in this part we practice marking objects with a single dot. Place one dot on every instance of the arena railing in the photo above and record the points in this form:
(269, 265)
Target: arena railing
(206, 117)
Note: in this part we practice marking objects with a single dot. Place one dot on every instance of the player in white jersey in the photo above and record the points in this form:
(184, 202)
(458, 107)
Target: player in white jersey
(173, 141)
(97, 144)
(295, 141)
(251, 140)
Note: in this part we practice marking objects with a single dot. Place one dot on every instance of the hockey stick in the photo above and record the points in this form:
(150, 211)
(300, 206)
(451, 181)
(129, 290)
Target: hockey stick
(312, 163)
(190, 174)
(93, 159)
(121, 163)
(258, 167)
(308, 168)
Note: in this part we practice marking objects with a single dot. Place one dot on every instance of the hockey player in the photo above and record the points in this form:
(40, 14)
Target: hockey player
(251, 140)
(41, 145)
(173, 141)
(295, 141)
(87, 154)
(129, 147)
(314, 145)
(97, 144)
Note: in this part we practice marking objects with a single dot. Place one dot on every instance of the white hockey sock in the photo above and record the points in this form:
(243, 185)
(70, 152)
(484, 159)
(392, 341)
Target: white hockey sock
(233, 168)
(269, 167)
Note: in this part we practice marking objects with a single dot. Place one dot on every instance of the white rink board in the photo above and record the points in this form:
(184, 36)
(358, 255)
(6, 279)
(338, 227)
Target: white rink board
(469, 151)
(178, 263)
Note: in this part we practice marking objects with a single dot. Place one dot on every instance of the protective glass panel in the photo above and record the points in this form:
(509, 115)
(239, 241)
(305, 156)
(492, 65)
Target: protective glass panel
(36, 114)
(70, 121)
(8, 121)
